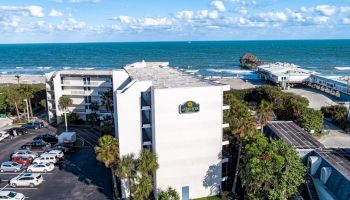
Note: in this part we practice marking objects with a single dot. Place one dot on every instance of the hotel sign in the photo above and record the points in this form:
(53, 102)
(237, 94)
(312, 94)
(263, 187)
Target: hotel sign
(189, 107)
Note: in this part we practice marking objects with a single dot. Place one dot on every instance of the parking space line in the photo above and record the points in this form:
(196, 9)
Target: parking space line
(24, 188)
(4, 187)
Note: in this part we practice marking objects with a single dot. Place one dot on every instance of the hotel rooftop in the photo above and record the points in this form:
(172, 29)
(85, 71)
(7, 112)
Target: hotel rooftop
(280, 69)
(163, 76)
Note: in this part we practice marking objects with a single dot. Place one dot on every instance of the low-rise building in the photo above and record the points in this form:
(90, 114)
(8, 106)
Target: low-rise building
(283, 74)
(330, 173)
(82, 86)
(292, 134)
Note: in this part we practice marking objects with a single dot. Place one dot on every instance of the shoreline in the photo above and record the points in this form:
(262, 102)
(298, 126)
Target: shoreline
(24, 79)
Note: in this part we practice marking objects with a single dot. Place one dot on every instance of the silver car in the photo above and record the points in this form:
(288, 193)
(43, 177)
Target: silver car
(25, 154)
(10, 167)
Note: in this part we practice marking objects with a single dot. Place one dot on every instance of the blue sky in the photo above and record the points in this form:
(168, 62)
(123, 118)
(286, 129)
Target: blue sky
(32, 21)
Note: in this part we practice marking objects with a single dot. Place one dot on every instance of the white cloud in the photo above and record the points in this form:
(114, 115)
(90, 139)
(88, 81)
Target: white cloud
(273, 17)
(71, 24)
(326, 10)
(243, 2)
(219, 5)
(344, 9)
(346, 21)
(55, 13)
(185, 14)
(34, 11)
(320, 20)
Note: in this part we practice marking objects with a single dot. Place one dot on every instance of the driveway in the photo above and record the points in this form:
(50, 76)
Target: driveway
(337, 138)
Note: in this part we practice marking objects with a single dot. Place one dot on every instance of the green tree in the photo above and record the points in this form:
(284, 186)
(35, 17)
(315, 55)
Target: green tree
(95, 107)
(64, 102)
(270, 169)
(137, 173)
(265, 112)
(107, 100)
(311, 120)
(107, 150)
(168, 194)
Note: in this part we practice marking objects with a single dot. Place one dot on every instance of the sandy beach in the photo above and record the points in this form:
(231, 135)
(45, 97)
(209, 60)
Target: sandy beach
(24, 79)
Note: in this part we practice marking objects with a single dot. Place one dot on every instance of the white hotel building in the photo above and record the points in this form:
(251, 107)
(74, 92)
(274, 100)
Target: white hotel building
(180, 118)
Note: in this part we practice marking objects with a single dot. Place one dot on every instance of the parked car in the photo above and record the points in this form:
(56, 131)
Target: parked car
(26, 180)
(21, 160)
(3, 135)
(57, 153)
(69, 146)
(10, 195)
(10, 167)
(25, 154)
(65, 150)
(45, 158)
(47, 138)
(36, 145)
(31, 125)
(41, 167)
(17, 131)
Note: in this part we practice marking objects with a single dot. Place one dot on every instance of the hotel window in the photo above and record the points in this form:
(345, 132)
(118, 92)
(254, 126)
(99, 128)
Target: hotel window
(61, 80)
(62, 88)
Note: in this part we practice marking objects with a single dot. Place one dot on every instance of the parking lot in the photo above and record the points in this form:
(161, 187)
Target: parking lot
(77, 176)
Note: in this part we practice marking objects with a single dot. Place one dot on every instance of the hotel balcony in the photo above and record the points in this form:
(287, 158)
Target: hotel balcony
(225, 140)
(82, 92)
(147, 137)
(81, 83)
(226, 125)
(225, 107)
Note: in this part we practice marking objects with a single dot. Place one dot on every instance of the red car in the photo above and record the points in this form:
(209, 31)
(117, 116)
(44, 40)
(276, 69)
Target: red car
(20, 160)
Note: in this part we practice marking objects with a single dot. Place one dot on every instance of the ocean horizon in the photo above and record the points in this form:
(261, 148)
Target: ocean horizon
(206, 58)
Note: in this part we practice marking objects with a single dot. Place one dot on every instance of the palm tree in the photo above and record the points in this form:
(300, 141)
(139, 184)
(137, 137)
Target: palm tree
(147, 162)
(126, 170)
(137, 173)
(18, 77)
(107, 150)
(265, 113)
(64, 102)
(94, 106)
(168, 194)
(107, 101)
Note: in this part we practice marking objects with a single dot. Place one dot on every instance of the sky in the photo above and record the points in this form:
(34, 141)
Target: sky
(55, 21)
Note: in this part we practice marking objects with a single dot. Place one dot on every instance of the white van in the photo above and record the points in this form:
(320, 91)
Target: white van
(45, 158)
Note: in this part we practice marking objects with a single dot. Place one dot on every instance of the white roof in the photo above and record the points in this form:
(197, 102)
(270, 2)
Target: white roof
(163, 76)
(282, 69)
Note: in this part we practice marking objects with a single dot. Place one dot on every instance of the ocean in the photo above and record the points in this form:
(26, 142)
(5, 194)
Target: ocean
(207, 58)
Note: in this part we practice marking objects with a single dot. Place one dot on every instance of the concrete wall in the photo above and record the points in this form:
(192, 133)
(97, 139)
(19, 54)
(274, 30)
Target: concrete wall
(188, 145)
(128, 119)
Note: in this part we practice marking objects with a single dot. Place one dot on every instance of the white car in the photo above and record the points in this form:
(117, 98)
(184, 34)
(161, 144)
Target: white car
(57, 153)
(45, 158)
(26, 180)
(41, 167)
(10, 195)
(25, 154)
(4, 135)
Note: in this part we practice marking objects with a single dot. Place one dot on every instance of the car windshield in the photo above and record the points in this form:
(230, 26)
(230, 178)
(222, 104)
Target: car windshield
(14, 164)
(38, 177)
(12, 194)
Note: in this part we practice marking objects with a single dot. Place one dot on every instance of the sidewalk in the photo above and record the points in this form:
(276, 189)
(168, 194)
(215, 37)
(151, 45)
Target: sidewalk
(4, 122)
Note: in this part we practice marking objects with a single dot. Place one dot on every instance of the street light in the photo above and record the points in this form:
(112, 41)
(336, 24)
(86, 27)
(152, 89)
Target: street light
(27, 108)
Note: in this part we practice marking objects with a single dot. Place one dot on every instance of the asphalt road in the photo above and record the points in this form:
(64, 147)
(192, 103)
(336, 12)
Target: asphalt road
(79, 176)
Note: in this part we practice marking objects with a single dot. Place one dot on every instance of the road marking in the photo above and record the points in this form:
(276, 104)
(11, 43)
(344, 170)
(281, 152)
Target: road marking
(24, 188)
(4, 187)
(5, 180)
